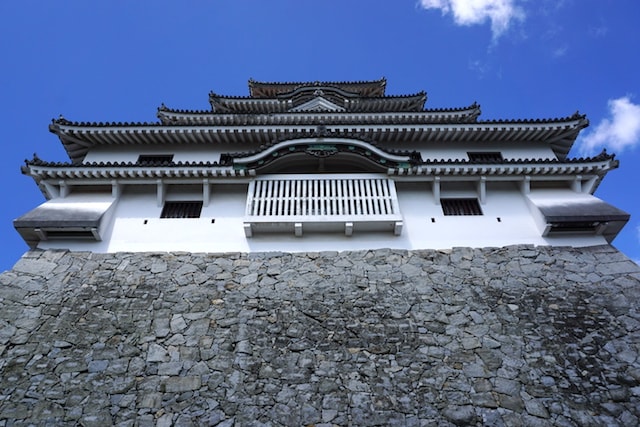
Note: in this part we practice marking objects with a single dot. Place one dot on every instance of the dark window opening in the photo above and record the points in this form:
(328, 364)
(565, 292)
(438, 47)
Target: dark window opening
(70, 234)
(460, 207)
(181, 209)
(154, 159)
(574, 227)
(485, 156)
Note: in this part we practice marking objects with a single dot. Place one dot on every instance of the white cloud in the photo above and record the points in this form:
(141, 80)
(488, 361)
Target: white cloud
(471, 12)
(598, 31)
(481, 68)
(619, 131)
(560, 51)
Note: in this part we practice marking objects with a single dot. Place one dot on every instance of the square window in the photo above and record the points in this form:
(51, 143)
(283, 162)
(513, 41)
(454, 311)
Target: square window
(485, 156)
(154, 159)
(461, 207)
(181, 209)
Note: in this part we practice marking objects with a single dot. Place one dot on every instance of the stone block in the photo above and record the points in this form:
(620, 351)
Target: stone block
(34, 267)
(182, 384)
(156, 353)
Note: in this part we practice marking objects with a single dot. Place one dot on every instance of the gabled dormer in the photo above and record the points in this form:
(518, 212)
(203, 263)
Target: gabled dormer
(318, 103)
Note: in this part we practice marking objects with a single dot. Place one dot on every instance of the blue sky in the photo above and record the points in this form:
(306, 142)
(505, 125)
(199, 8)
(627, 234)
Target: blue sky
(118, 60)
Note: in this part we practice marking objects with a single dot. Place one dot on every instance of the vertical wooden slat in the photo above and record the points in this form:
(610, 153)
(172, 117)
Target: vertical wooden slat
(269, 200)
(287, 198)
(321, 197)
(261, 198)
(249, 209)
(298, 207)
(359, 205)
(339, 195)
(393, 198)
(333, 197)
(276, 203)
(314, 192)
(375, 185)
(367, 196)
(256, 197)
(281, 196)
(304, 198)
(387, 199)
(352, 209)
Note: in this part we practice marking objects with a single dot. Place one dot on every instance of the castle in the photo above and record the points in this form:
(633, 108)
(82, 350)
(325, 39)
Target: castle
(321, 253)
(319, 166)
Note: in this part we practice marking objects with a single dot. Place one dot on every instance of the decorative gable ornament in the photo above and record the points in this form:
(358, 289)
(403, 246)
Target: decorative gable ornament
(317, 104)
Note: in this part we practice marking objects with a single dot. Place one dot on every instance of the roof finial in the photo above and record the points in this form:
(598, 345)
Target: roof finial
(321, 131)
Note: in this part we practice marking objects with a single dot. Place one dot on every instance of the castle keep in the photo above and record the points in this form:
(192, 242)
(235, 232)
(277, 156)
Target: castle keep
(319, 166)
(321, 253)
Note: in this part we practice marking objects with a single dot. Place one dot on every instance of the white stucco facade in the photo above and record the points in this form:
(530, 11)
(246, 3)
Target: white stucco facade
(136, 224)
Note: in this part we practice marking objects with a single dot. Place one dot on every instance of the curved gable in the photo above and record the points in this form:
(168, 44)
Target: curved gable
(322, 155)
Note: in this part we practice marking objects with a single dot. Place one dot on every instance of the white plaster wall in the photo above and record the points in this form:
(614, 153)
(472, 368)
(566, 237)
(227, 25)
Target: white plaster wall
(138, 226)
(212, 152)
(503, 201)
(182, 153)
(226, 234)
(446, 151)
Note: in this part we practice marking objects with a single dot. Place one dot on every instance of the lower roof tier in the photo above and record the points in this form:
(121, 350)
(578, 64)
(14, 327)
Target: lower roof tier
(48, 174)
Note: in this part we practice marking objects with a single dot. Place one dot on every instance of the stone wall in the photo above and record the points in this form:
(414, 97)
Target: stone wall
(505, 336)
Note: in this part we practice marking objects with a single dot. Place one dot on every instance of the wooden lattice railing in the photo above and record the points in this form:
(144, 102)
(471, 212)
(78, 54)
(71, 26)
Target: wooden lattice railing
(322, 203)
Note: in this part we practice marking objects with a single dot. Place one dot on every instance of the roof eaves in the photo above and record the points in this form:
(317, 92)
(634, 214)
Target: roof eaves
(602, 157)
(580, 120)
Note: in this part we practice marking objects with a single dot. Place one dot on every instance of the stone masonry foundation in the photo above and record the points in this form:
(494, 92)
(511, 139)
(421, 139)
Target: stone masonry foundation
(520, 335)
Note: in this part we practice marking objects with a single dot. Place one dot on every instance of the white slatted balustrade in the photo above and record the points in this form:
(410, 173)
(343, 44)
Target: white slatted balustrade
(322, 203)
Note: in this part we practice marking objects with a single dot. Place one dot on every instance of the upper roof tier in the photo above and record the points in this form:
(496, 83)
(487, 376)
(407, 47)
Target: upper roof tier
(317, 100)
(275, 111)
(274, 89)
(364, 96)
(272, 112)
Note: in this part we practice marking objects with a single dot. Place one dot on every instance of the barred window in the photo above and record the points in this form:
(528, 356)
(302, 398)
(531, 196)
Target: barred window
(485, 156)
(152, 159)
(322, 197)
(181, 209)
(460, 207)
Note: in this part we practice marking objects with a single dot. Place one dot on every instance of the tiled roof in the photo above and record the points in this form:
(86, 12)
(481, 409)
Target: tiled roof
(467, 114)
(61, 121)
(602, 157)
(573, 117)
(55, 123)
(40, 162)
(259, 89)
(323, 133)
(78, 138)
(87, 173)
(236, 104)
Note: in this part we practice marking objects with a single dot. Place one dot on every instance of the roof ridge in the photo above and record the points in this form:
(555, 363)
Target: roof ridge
(381, 80)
